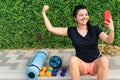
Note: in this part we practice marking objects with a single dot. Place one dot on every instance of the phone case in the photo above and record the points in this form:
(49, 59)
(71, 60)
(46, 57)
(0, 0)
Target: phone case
(106, 16)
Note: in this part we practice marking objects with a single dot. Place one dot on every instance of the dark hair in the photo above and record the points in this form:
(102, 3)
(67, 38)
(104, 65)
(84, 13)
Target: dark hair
(77, 8)
(89, 26)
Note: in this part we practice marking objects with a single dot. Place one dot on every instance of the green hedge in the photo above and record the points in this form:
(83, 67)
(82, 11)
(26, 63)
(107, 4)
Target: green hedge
(22, 26)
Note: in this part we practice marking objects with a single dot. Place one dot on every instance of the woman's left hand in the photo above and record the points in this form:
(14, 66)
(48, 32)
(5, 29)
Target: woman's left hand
(110, 24)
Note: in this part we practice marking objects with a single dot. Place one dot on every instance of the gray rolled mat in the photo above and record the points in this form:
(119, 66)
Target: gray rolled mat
(36, 64)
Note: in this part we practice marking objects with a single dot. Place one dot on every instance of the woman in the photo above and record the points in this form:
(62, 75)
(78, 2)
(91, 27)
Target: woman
(88, 59)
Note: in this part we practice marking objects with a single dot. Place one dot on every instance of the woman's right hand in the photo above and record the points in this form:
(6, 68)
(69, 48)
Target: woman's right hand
(45, 8)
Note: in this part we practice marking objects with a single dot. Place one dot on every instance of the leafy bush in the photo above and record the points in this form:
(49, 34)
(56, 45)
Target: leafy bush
(22, 26)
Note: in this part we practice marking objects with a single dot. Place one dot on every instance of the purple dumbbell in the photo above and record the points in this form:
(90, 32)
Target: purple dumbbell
(54, 73)
(64, 69)
(62, 74)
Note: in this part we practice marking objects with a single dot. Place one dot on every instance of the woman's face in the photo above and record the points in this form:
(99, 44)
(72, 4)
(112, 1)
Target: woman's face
(82, 17)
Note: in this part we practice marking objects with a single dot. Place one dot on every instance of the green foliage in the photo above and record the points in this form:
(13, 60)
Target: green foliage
(22, 26)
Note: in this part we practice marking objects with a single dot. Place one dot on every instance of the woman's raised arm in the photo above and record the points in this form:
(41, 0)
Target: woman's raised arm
(56, 30)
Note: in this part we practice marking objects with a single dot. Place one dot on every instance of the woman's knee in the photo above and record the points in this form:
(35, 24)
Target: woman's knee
(73, 60)
(104, 62)
(75, 63)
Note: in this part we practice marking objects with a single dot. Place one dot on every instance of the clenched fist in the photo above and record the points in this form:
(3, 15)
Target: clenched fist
(45, 8)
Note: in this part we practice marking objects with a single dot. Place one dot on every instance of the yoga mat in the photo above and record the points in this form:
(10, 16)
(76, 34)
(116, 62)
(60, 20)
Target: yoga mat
(36, 64)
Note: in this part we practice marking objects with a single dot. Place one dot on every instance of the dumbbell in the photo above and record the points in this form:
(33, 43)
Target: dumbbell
(54, 73)
(49, 72)
(62, 74)
(42, 72)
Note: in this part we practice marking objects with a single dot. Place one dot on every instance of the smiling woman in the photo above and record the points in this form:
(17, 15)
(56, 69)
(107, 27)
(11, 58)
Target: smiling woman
(84, 38)
(82, 17)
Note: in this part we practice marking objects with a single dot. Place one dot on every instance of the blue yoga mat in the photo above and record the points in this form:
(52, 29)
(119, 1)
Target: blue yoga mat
(36, 64)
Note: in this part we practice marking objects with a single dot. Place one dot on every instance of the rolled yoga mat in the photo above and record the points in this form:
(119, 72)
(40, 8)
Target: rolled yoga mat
(36, 64)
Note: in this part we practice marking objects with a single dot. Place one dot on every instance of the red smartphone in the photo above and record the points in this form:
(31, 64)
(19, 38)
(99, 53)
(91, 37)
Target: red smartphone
(106, 16)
